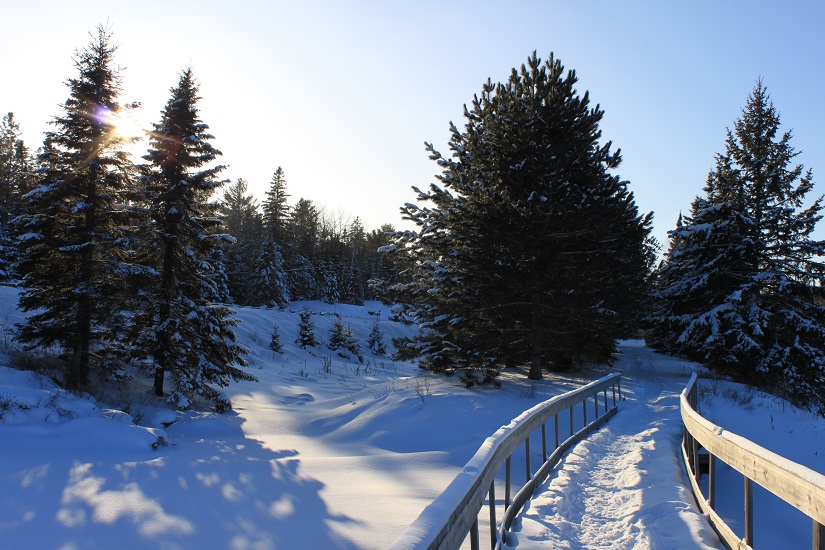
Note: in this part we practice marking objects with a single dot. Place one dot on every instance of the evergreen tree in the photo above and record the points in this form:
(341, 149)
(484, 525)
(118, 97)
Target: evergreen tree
(189, 333)
(306, 330)
(275, 340)
(239, 212)
(376, 340)
(382, 270)
(16, 176)
(531, 251)
(342, 337)
(276, 209)
(76, 240)
(267, 278)
(305, 228)
(742, 283)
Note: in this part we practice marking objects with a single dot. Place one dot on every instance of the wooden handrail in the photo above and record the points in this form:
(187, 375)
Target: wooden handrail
(448, 520)
(797, 485)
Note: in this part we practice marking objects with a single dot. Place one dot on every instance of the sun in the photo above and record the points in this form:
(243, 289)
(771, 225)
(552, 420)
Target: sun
(127, 126)
(123, 124)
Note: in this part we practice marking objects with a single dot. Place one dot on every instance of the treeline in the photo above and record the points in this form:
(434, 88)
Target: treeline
(300, 252)
(126, 263)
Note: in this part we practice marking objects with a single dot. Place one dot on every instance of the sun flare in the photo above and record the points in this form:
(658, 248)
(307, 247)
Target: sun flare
(127, 126)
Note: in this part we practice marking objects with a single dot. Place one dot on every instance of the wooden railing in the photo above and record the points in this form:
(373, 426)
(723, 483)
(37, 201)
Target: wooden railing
(797, 485)
(453, 516)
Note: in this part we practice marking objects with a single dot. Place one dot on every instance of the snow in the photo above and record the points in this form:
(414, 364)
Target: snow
(328, 452)
(624, 486)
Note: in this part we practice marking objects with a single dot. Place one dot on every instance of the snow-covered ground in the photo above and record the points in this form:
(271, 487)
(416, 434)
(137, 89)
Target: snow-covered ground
(324, 452)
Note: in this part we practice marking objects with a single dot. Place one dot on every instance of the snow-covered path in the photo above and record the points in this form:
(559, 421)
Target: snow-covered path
(623, 487)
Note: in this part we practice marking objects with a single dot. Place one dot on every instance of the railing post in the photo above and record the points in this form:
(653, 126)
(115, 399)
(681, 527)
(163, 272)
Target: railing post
(748, 512)
(596, 404)
(711, 481)
(544, 443)
(527, 455)
(819, 536)
(584, 411)
(474, 536)
(492, 500)
(556, 422)
(572, 430)
(507, 484)
(605, 400)
(620, 388)
(613, 387)
(695, 453)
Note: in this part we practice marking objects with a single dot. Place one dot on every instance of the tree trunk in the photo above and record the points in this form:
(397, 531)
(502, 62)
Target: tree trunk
(166, 286)
(159, 372)
(536, 337)
(79, 367)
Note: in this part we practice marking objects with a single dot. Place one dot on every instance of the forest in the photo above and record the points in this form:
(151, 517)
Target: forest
(529, 252)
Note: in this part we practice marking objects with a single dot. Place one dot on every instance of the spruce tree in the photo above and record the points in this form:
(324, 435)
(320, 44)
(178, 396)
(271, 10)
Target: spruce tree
(188, 332)
(306, 330)
(376, 340)
(276, 209)
(530, 250)
(267, 279)
(75, 235)
(16, 176)
(341, 336)
(275, 340)
(743, 282)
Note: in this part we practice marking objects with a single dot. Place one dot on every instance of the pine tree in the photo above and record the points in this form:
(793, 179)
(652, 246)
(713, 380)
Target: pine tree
(306, 330)
(16, 176)
(242, 221)
(342, 337)
(530, 250)
(305, 228)
(267, 280)
(276, 209)
(189, 333)
(376, 340)
(743, 278)
(75, 235)
(275, 340)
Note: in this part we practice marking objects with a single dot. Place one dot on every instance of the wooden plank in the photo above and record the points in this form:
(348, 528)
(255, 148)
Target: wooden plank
(491, 500)
(528, 473)
(748, 512)
(818, 536)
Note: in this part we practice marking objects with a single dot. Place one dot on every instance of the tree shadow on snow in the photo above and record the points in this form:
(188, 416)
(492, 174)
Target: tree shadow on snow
(211, 488)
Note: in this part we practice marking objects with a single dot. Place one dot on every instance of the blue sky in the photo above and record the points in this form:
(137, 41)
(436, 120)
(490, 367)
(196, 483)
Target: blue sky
(342, 95)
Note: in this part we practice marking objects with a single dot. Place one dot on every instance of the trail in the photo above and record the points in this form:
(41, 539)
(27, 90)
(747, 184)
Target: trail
(624, 486)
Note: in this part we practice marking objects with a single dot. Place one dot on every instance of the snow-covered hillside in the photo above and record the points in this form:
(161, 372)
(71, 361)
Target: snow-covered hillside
(323, 452)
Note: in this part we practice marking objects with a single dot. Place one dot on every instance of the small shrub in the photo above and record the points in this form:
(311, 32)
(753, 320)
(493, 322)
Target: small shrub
(376, 341)
(306, 330)
(342, 337)
(275, 340)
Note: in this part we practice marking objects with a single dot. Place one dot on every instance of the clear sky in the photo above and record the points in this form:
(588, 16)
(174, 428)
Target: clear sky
(343, 94)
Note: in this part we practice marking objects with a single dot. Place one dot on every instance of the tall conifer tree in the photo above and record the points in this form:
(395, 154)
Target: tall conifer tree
(276, 208)
(531, 251)
(189, 334)
(743, 279)
(75, 236)
(16, 176)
